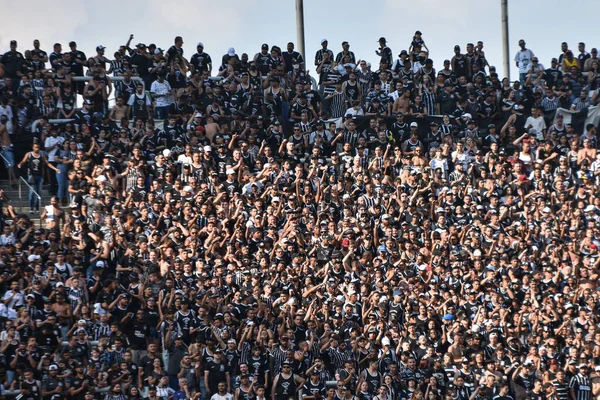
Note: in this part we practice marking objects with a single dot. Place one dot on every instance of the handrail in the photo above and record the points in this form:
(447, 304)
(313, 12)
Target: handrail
(7, 162)
(30, 188)
(36, 194)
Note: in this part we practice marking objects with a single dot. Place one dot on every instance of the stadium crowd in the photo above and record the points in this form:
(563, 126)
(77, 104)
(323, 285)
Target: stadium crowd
(403, 230)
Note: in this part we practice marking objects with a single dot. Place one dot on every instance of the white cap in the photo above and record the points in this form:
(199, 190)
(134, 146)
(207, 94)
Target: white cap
(231, 52)
(467, 115)
(81, 322)
(230, 172)
(59, 284)
(589, 208)
(276, 198)
(167, 153)
(345, 196)
(198, 115)
(323, 41)
(546, 210)
(188, 189)
(385, 341)
(422, 267)
(99, 264)
(207, 148)
(101, 178)
(413, 124)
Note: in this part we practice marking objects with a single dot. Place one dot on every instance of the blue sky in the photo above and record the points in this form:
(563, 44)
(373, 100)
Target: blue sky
(246, 24)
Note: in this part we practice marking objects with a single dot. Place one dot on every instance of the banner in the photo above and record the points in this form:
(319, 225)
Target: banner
(579, 119)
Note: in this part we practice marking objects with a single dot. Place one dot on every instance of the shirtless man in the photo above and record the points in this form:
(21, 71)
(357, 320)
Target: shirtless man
(8, 154)
(211, 127)
(419, 159)
(62, 309)
(402, 103)
(52, 213)
(119, 110)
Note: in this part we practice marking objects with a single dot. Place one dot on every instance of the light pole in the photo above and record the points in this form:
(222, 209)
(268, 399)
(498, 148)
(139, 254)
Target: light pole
(300, 26)
(504, 6)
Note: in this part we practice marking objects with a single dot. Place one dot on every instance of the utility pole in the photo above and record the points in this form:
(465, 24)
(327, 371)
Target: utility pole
(504, 5)
(300, 27)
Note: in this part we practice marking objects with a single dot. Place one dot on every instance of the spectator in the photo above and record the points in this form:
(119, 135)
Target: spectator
(415, 235)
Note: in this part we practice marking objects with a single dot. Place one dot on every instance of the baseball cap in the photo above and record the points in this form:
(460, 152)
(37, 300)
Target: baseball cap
(231, 52)
(100, 47)
(414, 124)
(200, 44)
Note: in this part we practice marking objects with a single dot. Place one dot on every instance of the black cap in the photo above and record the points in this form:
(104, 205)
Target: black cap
(382, 39)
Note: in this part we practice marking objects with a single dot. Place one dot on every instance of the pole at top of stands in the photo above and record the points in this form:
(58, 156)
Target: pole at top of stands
(300, 27)
(504, 5)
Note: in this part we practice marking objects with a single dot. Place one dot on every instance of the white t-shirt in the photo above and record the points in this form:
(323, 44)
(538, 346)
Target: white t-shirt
(217, 396)
(538, 124)
(17, 301)
(161, 90)
(524, 57)
(183, 159)
(51, 141)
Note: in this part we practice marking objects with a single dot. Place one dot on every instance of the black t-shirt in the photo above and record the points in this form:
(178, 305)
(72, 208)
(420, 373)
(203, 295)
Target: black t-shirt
(543, 154)
(447, 103)
(77, 68)
(12, 61)
(105, 297)
(174, 51)
(217, 372)
(137, 333)
(290, 59)
(77, 382)
(140, 62)
(200, 61)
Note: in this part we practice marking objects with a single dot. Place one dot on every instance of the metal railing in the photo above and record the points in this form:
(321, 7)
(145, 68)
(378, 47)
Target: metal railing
(14, 393)
(157, 123)
(31, 191)
(7, 162)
